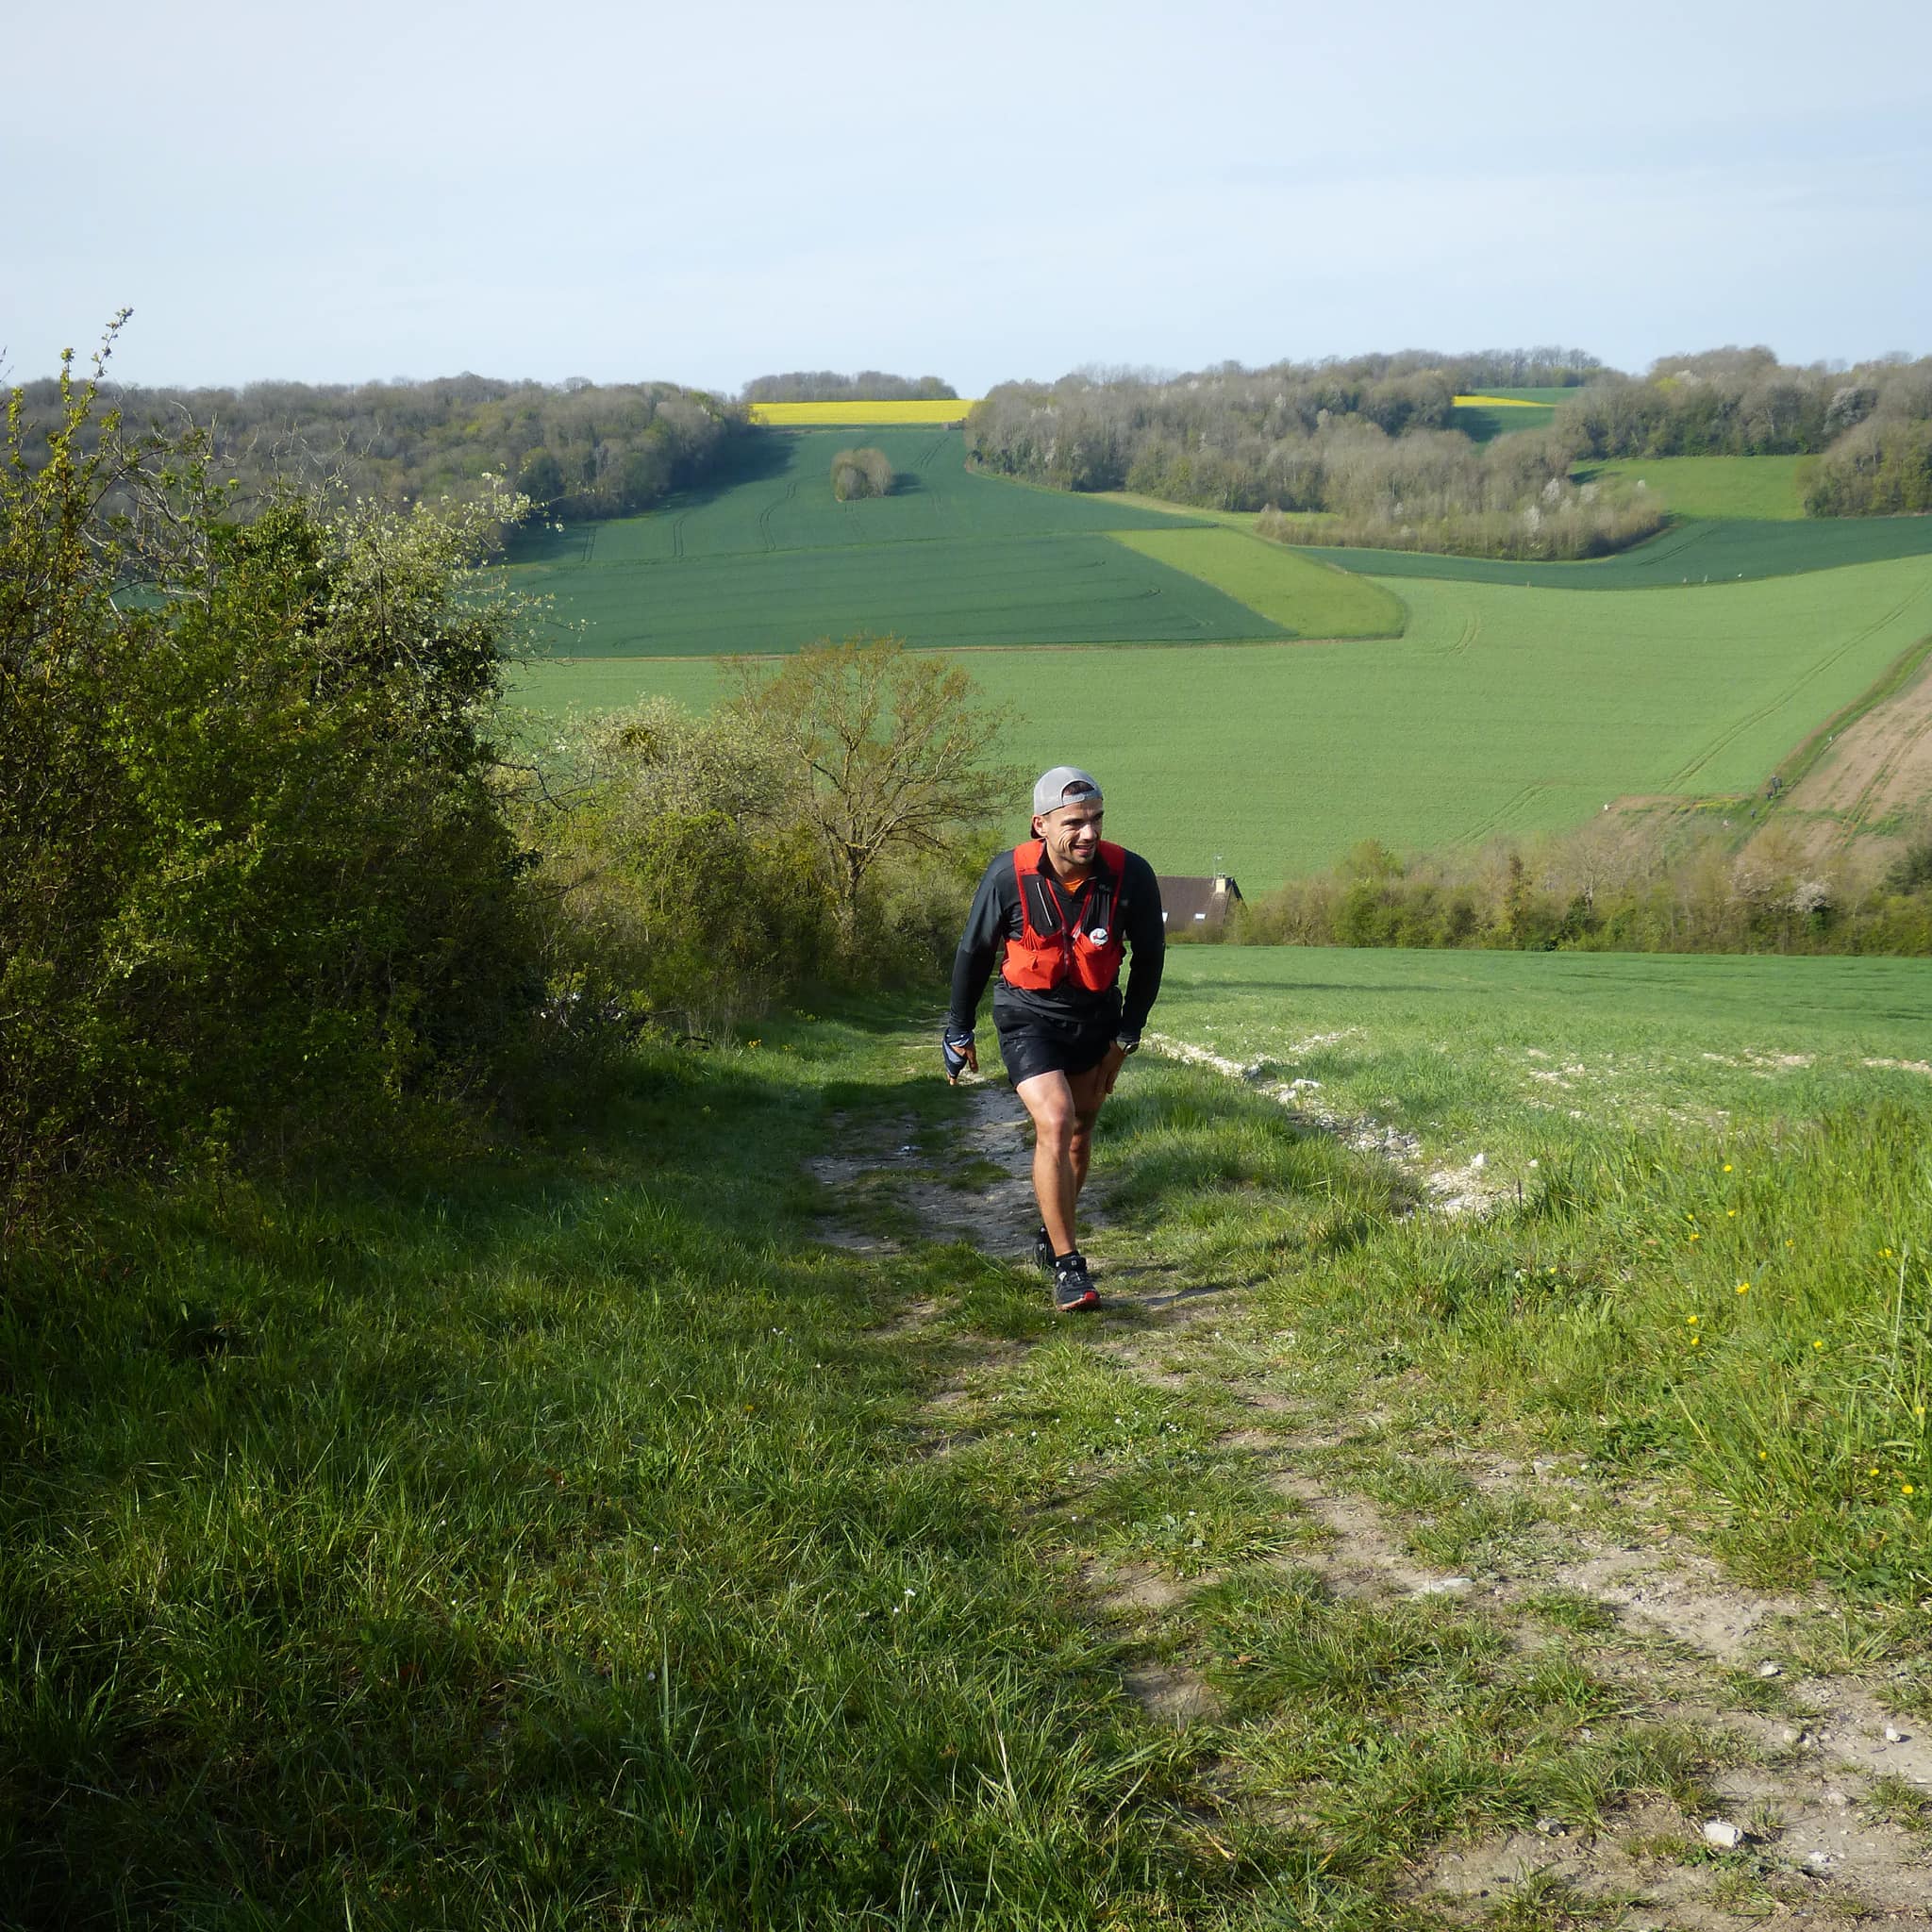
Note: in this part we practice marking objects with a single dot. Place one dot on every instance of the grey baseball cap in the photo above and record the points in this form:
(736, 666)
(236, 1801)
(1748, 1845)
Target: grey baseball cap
(1064, 785)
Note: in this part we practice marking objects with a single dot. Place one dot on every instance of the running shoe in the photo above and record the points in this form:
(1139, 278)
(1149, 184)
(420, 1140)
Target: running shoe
(1043, 1250)
(1072, 1287)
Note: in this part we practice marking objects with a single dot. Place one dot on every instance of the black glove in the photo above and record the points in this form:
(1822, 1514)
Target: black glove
(957, 1050)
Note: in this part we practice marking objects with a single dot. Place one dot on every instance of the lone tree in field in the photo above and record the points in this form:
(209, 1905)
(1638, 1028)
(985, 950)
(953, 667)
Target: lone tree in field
(887, 750)
(860, 473)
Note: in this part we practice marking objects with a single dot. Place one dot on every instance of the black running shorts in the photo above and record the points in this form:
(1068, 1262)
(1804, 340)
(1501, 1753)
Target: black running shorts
(1036, 1045)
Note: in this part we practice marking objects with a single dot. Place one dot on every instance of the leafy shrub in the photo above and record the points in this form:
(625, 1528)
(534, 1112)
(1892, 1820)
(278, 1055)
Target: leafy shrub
(678, 886)
(858, 473)
(1880, 468)
(262, 888)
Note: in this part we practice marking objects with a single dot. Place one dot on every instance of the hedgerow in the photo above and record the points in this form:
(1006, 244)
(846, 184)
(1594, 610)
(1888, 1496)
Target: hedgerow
(262, 894)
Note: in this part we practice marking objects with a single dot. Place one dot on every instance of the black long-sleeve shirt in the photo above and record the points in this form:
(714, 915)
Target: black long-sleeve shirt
(995, 918)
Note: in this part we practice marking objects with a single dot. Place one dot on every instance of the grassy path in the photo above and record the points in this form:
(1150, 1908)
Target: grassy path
(702, 1521)
(1456, 1675)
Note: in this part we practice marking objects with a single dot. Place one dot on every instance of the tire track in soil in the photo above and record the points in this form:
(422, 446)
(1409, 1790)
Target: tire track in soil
(1680, 779)
(1675, 1623)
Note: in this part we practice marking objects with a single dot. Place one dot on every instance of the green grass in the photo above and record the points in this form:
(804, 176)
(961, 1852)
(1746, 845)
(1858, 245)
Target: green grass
(1756, 487)
(552, 1542)
(1522, 1055)
(1716, 551)
(1658, 1133)
(1481, 425)
(1062, 589)
(570, 1539)
(1501, 709)
(779, 498)
(1316, 600)
(768, 560)
(573, 1537)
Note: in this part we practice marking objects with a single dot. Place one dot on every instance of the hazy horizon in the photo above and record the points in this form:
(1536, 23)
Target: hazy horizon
(637, 194)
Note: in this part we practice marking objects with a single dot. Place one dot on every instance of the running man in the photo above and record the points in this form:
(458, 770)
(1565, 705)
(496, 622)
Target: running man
(1054, 915)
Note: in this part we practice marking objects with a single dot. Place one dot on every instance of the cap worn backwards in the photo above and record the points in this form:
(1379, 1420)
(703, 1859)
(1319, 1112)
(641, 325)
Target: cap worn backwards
(1064, 785)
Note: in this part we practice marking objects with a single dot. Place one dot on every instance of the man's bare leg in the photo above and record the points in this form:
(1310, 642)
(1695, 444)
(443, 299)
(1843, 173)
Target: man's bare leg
(1063, 1107)
(1048, 1098)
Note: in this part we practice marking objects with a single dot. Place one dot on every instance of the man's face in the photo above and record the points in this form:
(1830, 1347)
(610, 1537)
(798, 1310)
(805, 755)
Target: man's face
(1071, 835)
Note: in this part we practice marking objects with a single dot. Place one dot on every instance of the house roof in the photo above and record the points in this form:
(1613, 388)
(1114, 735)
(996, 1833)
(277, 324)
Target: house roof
(1197, 901)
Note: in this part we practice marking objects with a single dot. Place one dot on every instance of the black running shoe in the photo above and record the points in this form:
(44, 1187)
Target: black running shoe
(1043, 1250)
(1072, 1287)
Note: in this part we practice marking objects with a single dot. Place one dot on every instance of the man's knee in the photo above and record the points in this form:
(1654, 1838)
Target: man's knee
(1054, 1116)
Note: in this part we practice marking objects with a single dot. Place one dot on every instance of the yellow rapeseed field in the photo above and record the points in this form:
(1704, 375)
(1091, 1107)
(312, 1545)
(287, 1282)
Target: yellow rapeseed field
(1497, 403)
(840, 415)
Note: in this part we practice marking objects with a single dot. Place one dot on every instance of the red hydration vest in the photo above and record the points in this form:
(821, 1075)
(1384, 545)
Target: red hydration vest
(1087, 952)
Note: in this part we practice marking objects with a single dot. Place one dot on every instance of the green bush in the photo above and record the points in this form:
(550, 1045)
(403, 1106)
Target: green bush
(679, 888)
(858, 473)
(261, 890)
(692, 876)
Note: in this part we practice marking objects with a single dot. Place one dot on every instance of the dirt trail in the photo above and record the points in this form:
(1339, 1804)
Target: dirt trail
(1675, 1632)
(1878, 765)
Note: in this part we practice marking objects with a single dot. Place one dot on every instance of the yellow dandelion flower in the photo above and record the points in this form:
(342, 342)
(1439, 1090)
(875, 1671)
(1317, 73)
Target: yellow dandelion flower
(1743, 1288)
(1692, 1319)
(1906, 1488)
(1731, 1213)
(1727, 1166)
(1884, 1254)
(1695, 1340)
(1871, 1472)
(1791, 1244)
(1761, 1454)
(1817, 1344)
(1696, 1237)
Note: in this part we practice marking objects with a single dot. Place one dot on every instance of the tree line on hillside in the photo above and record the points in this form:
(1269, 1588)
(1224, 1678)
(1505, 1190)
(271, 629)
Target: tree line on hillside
(1369, 451)
(1870, 427)
(576, 450)
(829, 386)
(280, 887)
(1368, 447)
(1610, 889)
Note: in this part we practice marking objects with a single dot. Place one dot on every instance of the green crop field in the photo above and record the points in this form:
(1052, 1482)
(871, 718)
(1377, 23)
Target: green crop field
(1483, 424)
(1064, 589)
(1519, 1054)
(769, 559)
(1318, 600)
(1717, 552)
(1757, 488)
(1502, 709)
(1506, 706)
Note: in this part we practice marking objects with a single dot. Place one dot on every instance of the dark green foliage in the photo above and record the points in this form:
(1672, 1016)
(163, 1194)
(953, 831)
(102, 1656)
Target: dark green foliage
(261, 893)
(577, 449)
(679, 888)
(1879, 469)
(1738, 401)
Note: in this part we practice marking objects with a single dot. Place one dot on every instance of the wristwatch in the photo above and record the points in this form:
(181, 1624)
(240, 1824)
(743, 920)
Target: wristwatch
(1128, 1043)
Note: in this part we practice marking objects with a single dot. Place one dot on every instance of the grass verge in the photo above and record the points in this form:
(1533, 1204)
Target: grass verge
(543, 1544)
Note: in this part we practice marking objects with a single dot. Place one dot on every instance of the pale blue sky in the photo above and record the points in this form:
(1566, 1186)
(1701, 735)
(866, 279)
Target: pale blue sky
(709, 193)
